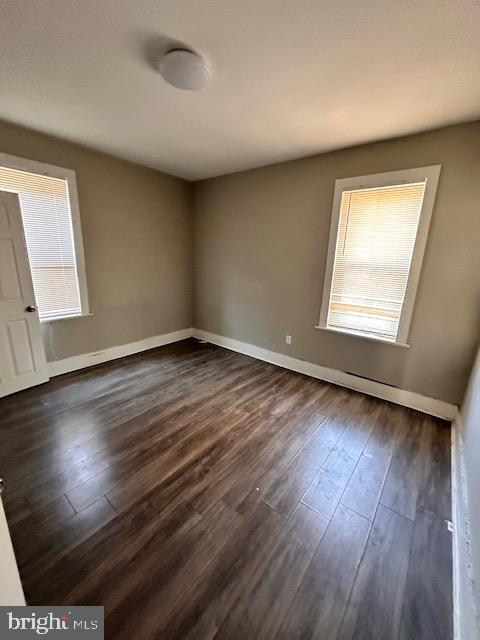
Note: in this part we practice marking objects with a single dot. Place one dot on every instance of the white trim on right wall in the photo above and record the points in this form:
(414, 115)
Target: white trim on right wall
(465, 615)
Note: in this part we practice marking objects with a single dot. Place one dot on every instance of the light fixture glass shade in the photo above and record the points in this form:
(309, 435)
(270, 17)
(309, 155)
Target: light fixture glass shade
(184, 69)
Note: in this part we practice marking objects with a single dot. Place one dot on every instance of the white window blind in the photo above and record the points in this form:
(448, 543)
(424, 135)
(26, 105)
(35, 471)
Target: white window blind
(375, 243)
(47, 221)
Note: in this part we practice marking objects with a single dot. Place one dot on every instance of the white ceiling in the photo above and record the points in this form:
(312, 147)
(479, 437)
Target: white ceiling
(291, 77)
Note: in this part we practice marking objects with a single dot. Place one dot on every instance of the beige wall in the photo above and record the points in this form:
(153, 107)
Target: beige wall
(260, 246)
(136, 226)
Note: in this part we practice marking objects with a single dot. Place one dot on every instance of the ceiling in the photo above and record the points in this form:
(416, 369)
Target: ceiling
(291, 77)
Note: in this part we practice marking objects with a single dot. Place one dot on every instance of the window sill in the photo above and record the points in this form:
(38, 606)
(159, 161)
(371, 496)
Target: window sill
(75, 317)
(364, 337)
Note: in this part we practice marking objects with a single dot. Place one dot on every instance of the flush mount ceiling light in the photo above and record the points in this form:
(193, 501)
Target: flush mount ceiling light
(184, 69)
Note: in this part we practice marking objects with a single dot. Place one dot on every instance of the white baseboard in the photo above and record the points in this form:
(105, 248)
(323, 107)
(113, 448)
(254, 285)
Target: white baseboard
(465, 615)
(410, 399)
(58, 367)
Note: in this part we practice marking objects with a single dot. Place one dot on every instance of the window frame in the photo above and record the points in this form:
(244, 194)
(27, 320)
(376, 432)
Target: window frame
(52, 171)
(390, 178)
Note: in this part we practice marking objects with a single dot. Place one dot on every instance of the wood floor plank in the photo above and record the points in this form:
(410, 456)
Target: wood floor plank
(211, 439)
(261, 607)
(365, 485)
(41, 521)
(295, 430)
(191, 480)
(402, 485)
(239, 461)
(429, 582)
(375, 607)
(140, 472)
(364, 488)
(61, 483)
(200, 615)
(288, 489)
(83, 573)
(435, 493)
(146, 596)
(388, 423)
(282, 489)
(35, 558)
(326, 489)
(320, 602)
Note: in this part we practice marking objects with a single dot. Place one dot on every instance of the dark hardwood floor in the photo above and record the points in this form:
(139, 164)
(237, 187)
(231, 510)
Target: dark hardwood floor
(198, 493)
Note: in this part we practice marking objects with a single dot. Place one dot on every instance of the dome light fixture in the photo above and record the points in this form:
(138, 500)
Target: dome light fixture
(184, 69)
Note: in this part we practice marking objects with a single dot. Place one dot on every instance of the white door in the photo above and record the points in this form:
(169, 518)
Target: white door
(22, 354)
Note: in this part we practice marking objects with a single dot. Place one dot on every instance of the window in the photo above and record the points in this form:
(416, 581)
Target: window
(377, 239)
(49, 206)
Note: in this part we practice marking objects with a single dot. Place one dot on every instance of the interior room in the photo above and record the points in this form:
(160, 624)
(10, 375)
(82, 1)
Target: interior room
(240, 319)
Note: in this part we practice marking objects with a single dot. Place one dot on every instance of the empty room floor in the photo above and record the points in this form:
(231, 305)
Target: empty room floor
(198, 493)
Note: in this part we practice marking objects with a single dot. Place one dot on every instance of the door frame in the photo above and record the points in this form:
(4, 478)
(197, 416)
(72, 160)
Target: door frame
(11, 590)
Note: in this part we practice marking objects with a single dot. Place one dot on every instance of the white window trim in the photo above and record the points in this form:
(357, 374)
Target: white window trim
(42, 168)
(431, 174)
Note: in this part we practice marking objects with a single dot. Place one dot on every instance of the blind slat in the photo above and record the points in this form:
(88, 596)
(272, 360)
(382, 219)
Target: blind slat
(47, 221)
(375, 242)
